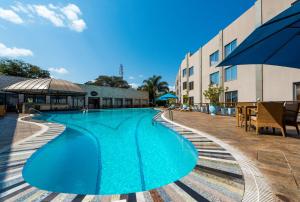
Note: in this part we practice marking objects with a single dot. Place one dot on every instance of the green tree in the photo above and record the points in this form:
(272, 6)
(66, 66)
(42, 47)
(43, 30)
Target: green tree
(213, 94)
(154, 86)
(22, 69)
(110, 81)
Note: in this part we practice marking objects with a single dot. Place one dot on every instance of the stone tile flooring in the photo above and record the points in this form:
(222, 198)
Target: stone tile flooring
(276, 157)
(12, 131)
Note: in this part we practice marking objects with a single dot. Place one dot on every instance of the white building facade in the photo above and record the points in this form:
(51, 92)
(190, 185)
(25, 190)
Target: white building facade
(245, 83)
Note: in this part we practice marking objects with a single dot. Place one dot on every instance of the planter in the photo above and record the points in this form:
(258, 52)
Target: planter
(231, 111)
(213, 109)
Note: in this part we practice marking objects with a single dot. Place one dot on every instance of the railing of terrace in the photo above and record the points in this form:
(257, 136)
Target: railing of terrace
(224, 108)
(228, 108)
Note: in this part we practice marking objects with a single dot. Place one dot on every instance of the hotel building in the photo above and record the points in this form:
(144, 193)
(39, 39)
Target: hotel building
(245, 82)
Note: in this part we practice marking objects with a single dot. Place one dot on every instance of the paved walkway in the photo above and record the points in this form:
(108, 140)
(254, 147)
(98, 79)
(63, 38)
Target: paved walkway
(217, 176)
(276, 157)
(12, 131)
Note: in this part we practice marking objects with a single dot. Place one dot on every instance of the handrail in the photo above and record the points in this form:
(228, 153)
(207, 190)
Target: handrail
(156, 117)
(35, 110)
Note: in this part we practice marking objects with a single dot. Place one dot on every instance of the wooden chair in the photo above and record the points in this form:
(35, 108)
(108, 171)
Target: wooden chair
(291, 115)
(269, 114)
(241, 113)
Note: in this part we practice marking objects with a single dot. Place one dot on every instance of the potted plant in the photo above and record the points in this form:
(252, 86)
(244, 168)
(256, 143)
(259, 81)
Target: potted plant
(186, 105)
(213, 95)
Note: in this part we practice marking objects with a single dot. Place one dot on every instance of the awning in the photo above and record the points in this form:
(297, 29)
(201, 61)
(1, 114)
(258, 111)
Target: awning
(277, 42)
(45, 86)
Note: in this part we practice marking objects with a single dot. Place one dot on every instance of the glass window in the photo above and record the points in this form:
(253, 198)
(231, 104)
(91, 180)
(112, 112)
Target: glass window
(297, 91)
(128, 102)
(38, 99)
(191, 71)
(184, 85)
(78, 101)
(231, 73)
(230, 47)
(191, 85)
(107, 102)
(191, 100)
(214, 78)
(231, 96)
(214, 58)
(58, 99)
(118, 102)
(183, 72)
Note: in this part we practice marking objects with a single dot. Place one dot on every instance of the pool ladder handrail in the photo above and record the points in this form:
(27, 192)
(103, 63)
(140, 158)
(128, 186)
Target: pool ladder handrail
(35, 110)
(154, 119)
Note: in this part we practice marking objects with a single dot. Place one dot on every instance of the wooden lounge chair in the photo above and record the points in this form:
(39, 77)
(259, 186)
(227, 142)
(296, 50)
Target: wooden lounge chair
(269, 114)
(291, 115)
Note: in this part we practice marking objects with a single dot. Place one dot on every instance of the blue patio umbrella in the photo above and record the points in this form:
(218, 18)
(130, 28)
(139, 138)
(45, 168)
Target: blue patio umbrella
(167, 97)
(277, 42)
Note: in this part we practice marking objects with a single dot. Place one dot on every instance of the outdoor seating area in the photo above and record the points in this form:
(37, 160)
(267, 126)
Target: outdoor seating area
(268, 115)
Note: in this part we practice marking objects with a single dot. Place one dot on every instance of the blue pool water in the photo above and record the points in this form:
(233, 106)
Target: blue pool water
(110, 152)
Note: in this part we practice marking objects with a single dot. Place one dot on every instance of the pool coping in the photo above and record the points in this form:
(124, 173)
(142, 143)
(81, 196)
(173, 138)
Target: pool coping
(256, 186)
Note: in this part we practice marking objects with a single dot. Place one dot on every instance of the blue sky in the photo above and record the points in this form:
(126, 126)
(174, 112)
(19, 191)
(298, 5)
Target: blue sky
(79, 40)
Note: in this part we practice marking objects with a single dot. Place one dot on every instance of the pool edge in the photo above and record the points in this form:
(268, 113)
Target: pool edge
(256, 186)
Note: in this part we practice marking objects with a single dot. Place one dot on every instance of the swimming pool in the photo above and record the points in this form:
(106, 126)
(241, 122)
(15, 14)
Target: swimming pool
(110, 152)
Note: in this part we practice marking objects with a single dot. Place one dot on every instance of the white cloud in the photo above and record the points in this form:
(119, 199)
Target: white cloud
(68, 15)
(50, 15)
(10, 16)
(172, 88)
(141, 76)
(131, 78)
(14, 52)
(72, 13)
(134, 85)
(60, 70)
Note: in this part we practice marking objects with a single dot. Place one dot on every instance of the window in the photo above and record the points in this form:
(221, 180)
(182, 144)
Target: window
(191, 71)
(183, 72)
(118, 102)
(58, 99)
(231, 73)
(214, 58)
(297, 91)
(38, 99)
(78, 101)
(231, 96)
(191, 100)
(230, 47)
(184, 85)
(128, 102)
(107, 102)
(191, 85)
(214, 78)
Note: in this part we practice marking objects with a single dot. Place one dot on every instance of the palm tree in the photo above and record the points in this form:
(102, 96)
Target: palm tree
(154, 85)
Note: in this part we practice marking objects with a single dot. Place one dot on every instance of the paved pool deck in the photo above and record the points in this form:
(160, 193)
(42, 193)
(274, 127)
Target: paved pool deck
(277, 158)
(221, 174)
